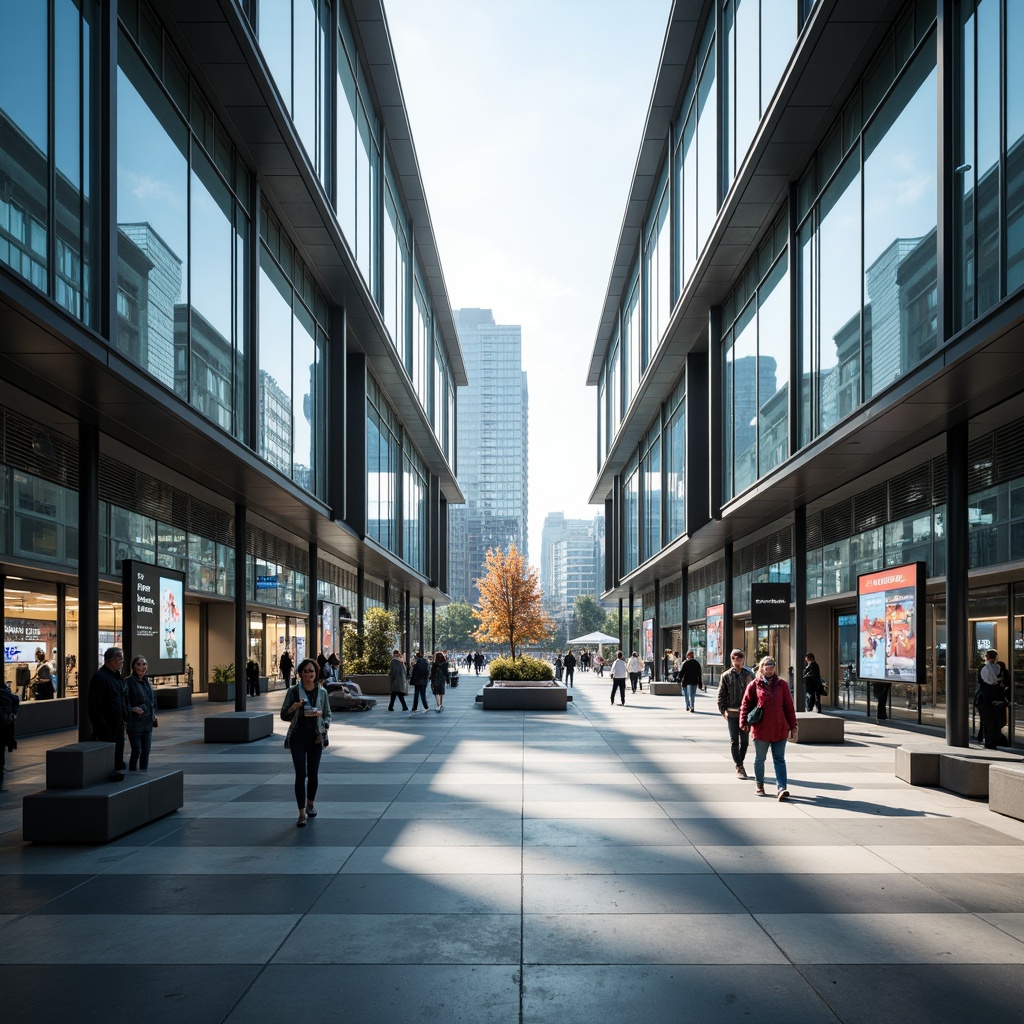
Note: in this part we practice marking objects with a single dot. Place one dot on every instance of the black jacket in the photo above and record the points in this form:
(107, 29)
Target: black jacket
(420, 674)
(691, 673)
(108, 698)
(812, 677)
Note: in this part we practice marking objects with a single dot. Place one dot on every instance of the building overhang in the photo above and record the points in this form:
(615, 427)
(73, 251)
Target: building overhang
(834, 49)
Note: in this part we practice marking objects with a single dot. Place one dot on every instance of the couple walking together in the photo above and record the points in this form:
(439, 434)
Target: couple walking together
(760, 705)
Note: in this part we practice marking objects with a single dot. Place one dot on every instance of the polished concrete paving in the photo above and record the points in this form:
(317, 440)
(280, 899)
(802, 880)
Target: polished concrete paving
(602, 864)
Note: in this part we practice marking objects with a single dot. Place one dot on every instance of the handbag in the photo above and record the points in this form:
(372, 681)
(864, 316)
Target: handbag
(755, 714)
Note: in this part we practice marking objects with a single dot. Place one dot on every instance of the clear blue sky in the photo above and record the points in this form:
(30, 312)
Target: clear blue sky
(527, 116)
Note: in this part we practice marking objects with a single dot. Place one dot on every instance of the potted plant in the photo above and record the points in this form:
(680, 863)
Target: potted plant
(223, 686)
(366, 657)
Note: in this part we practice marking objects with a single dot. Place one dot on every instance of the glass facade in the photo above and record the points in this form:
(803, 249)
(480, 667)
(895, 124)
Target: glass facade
(48, 125)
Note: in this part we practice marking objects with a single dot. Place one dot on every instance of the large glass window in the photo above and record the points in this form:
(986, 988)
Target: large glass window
(657, 279)
(47, 237)
(293, 39)
(900, 208)
(650, 474)
(292, 411)
(383, 453)
(632, 343)
(414, 510)
(631, 518)
(674, 455)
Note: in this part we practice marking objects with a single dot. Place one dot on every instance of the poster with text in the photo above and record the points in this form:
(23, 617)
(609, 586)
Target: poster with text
(888, 606)
(715, 616)
(648, 640)
(153, 599)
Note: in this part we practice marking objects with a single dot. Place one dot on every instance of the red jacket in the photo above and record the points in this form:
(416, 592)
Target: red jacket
(779, 714)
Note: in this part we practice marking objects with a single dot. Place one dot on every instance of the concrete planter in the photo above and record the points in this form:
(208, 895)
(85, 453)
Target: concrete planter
(220, 693)
(374, 684)
(517, 695)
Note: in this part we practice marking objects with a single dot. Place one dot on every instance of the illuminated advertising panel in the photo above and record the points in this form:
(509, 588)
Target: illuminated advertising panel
(888, 614)
(715, 624)
(647, 639)
(153, 600)
(769, 604)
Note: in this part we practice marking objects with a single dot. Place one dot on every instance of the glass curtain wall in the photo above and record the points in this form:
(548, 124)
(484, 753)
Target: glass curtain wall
(383, 453)
(182, 248)
(414, 510)
(292, 398)
(657, 268)
(674, 456)
(650, 483)
(989, 175)
(48, 217)
(867, 313)
(293, 36)
(756, 367)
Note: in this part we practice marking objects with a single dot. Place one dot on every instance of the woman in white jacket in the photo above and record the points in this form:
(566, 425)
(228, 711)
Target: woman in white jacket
(634, 667)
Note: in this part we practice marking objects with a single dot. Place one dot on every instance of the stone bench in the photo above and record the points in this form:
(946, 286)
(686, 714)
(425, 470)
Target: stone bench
(39, 716)
(170, 697)
(101, 812)
(664, 689)
(1006, 790)
(525, 698)
(819, 728)
(238, 727)
(967, 772)
(918, 766)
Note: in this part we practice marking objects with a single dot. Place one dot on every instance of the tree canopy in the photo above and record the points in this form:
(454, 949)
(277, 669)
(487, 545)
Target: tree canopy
(510, 610)
(453, 628)
(587, 616)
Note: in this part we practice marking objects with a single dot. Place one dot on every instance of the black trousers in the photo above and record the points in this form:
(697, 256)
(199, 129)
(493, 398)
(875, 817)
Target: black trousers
(401, 697)
(620, 685)
(306, 756)
(634, 678)
(738, 740)
(812, 698)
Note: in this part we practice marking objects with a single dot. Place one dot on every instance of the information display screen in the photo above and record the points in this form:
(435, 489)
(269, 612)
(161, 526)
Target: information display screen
(153, 599)
(648, 639)
(888, 615)
(715, 620)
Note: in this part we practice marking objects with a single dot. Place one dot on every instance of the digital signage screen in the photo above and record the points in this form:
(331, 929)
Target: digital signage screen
(153, 599)
(648, 639)
(715, 623)
(889, 606)
(769, 604)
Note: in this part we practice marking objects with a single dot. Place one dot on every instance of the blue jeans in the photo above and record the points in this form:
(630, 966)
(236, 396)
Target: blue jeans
(778, 757)
(690, 693)
(141, 743)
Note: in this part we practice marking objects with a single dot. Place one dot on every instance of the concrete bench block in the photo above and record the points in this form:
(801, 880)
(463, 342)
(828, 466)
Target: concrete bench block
(525, 698)
(78, 765)
(918, 767)
(238, 727)
(39, 716)
(1006, 790)
(966, 772)
(664, 689)
(102, 812)
(170, 697)
(819, 728)
(220, 693)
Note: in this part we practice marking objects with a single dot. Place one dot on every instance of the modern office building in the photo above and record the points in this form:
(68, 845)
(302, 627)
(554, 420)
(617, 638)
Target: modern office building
(810, 359)
(493, 449)
(225, 341)
(571, 561)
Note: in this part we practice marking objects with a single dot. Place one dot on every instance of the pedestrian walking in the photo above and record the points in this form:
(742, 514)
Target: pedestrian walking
(619, 671)
(438, 680)
(731, 687)
(569, 663)
(307, 710)
(419, 677)
(559, 665)
(398, 680)
(691, 675)
(142, 719)
(634, 667)
(252, 679)
(812, 684)
(775, 724)
(599, 662)
(285, 665)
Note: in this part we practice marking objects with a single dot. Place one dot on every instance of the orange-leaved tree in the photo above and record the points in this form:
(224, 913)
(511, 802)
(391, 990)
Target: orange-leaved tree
(510, 602)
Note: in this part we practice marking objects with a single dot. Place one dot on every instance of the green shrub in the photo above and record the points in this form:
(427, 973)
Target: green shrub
(224, 673)
(369, 652)
(522, 669)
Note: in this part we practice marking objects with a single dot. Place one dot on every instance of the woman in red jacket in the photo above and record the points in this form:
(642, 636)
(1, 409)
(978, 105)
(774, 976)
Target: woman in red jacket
(778, 723)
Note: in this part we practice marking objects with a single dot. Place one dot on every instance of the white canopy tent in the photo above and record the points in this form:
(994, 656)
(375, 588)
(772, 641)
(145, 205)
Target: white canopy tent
(597, 637)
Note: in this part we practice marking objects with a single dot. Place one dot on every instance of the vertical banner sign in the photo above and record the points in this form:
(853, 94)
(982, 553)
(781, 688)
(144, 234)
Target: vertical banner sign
(648, 639)
(715, 625)
(327, 628)
(888, 613)
(153, 604)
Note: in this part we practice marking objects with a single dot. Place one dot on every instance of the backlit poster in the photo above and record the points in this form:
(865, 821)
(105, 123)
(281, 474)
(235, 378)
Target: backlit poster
(648, 640)
(715, 620)
(153, 600)
(888, 607)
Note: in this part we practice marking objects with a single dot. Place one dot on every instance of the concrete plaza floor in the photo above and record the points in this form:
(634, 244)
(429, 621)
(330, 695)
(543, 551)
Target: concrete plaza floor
(603, 864)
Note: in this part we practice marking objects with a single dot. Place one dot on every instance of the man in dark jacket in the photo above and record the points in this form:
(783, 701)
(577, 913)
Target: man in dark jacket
(108, 705)
(419, 677)
(569, 662)
(812, 684)
(691, 675)
(731, 688)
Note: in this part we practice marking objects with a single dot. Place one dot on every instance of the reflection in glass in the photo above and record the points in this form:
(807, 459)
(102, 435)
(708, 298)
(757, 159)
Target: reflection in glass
(152, 205)
(839, 297)
(275, 369)
(1014, 33)
(900, 248)
(773, 370)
